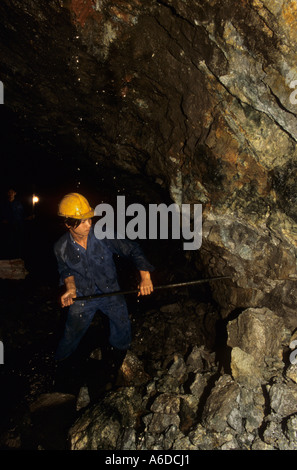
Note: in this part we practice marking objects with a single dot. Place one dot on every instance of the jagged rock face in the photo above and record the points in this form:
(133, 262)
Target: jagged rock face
(195, 95)
(253, 407)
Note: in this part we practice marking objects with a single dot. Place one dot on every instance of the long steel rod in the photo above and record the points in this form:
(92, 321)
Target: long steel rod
(135, 291)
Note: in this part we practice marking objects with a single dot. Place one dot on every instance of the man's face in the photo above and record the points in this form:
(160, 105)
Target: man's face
(11, 194)
(83, 229)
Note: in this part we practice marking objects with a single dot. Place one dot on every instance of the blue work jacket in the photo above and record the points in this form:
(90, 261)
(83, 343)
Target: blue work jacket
(94, 269)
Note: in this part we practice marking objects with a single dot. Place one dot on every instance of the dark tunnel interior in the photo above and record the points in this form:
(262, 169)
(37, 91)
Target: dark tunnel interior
(169, 102)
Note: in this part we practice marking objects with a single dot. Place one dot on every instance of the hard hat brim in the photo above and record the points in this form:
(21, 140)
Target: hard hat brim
(88, 215)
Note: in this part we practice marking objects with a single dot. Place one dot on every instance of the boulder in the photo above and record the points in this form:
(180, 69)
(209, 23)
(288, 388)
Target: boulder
(258, 332)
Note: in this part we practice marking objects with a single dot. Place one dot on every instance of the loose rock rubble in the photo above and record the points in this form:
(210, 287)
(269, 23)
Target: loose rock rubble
(180, 396)
(193, 404)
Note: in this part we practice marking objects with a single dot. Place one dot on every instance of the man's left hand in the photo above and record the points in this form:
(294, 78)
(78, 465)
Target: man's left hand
(145, 286)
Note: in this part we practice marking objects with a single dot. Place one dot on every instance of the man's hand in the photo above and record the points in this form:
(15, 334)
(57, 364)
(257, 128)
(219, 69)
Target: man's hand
(145, 286)
(66, 299)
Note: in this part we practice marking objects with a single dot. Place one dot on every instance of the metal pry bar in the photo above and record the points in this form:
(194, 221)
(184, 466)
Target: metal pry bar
(135, 291)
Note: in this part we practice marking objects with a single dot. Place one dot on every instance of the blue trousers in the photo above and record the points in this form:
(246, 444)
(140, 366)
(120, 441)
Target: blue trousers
(80, 316)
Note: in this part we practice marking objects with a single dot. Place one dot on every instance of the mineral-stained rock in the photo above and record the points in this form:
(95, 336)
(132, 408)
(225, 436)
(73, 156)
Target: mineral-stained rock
(235, 420)
(201, 438)
(102, 425)
(178, 369)
(199, 358)
(127, 440)
(182, 442)
(283, 398)
(165, 410)
(205, 439)
(83, 398)
(188, 412)
(244, 368)
(258, 444)
(165, 403)
(168, 384)
(260, 265)
(291, 430)
(199, 383)
(258, 332)
(132, 371)
(252, 403)
(159, 422)
(291, 372)
(194, 360)
(273, 435)
(220, 403)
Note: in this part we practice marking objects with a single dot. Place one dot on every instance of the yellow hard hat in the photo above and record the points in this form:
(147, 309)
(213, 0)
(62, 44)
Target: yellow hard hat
(76, 206)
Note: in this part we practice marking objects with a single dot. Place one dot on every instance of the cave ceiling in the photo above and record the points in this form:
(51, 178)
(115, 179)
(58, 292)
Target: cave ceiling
(194, 94)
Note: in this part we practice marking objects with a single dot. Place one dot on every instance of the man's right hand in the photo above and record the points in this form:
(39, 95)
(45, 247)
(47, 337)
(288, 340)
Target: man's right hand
(70, 293)
(66, 299)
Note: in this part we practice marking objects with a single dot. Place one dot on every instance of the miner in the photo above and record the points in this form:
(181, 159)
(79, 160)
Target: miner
(86, 267)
